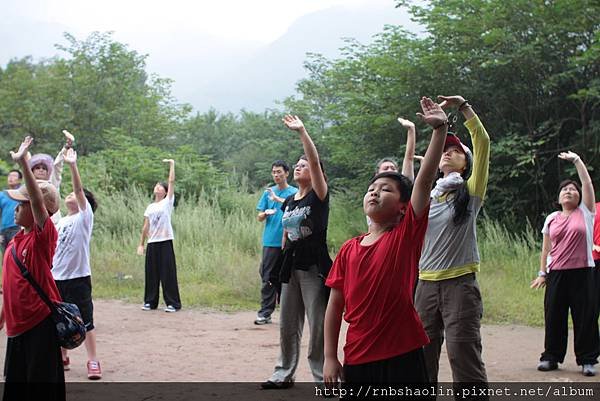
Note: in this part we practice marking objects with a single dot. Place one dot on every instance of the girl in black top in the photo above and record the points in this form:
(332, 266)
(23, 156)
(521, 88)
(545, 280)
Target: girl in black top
(305, 264)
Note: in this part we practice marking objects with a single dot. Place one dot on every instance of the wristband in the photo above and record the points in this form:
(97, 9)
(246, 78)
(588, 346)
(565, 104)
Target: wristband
(441, 125)
(575, 160)
(464, 104)
(541, 274)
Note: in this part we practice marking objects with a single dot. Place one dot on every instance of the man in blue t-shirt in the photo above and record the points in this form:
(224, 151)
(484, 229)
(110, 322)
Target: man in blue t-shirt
(269, 210)
(8, 228)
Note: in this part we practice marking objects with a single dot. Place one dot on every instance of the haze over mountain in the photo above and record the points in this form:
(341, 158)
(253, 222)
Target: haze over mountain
(224, 74)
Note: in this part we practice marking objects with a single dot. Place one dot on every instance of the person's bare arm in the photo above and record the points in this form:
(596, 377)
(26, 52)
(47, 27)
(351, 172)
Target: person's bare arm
(408, 164)
(274, 197)
(38, 208)
(57, 168)
(317, 177)
(70, 158)
(171, 181)
(588, 197)
(460, 103)
(140, 250)
(540, 281)
(262, 216)
(434, 116)
(332, 369)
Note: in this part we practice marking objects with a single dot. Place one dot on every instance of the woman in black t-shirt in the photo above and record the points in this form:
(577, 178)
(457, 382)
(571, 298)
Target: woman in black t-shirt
(305, 265)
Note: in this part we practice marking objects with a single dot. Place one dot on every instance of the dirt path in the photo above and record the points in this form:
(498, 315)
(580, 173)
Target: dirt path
(205, 346)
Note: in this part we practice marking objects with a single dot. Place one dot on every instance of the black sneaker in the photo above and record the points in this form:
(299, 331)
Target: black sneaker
(588, 370)
(546, 366)
(271, 385)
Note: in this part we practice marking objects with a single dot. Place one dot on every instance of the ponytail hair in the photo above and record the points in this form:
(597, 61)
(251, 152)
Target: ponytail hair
(460, 203)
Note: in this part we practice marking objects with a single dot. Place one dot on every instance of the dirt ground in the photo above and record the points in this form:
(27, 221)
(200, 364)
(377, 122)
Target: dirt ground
(196, 345)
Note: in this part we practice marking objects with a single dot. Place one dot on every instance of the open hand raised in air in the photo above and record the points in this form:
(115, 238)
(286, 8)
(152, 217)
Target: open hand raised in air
(450, 101)
(22, 151)
(293, 123)
(70, 138)
(433, 114)
(569, 156)
(70, 156)
(406, 123)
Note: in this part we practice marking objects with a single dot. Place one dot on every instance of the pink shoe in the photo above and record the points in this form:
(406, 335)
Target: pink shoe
(94, 371)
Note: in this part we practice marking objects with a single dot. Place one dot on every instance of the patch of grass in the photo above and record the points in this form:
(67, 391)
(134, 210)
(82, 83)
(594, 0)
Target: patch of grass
(218, 251)
(509, 263)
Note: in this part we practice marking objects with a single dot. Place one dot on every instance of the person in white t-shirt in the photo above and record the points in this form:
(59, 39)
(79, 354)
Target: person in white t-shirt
(71, 263)
(161, 268)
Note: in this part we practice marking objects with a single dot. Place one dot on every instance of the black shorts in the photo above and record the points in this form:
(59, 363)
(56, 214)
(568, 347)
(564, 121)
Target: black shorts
(78, 291)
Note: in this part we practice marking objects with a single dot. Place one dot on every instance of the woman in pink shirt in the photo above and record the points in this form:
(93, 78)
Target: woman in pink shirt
(566, 271)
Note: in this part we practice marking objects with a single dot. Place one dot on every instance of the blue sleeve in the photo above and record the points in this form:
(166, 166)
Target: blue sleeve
(263, 202)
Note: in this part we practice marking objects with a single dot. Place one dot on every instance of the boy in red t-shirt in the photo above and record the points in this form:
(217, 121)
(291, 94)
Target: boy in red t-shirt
(32, 350)
(373, 278)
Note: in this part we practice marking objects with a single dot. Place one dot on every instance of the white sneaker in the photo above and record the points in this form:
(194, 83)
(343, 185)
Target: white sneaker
(170, 309)
(260, 320)
(146, 307)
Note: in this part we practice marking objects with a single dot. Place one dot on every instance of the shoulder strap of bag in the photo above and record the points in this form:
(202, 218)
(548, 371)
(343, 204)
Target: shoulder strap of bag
(31, 280)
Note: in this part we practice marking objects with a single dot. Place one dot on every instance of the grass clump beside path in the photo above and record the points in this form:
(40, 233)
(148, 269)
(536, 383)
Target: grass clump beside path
(509, 262)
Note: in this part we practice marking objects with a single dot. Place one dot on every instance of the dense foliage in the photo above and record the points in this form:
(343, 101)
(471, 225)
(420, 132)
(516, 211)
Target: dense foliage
(531, 68)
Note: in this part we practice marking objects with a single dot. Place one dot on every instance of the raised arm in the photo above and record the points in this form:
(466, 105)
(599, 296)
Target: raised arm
(408, 164)
(57, 169)
(588, 197)
(40, 214)
(274, 197)
(316, 174)
(477, 183)
(70, 158)
(434, 116)
(171, 182)
(460, 103)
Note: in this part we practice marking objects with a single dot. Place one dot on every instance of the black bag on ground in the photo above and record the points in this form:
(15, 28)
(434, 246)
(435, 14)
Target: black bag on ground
(70, 329)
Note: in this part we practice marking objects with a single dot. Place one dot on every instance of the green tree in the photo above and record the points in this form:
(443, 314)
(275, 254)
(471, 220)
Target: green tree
(531, 68)
(99, 86)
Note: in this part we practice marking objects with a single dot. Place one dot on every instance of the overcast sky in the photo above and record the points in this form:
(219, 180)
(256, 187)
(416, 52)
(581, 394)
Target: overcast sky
(196, 42)
(259, 20)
